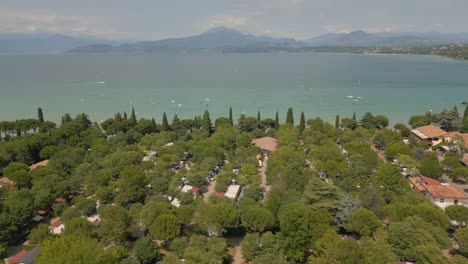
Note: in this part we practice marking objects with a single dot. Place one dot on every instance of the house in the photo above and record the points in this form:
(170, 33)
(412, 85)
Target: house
(445, 195)
(419, 182)
(175, 202)
(233, 191)
(95, 220)
(440, 194)
(43, 163)
(56, 226)
(5, 182)
(266, 144)
(187, 188)
(464, 160)
(430, 133)
(196, 191)
(60, 200)
(23, 257)
(452, 136)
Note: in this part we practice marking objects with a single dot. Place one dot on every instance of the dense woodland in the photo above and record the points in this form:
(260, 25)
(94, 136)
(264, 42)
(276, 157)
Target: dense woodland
(333, 199)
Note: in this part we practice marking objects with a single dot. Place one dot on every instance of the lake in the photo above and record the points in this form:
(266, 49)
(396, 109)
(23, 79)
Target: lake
(315, 83)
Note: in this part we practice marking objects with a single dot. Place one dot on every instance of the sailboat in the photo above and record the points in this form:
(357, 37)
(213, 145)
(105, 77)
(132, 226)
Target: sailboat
(353, 97)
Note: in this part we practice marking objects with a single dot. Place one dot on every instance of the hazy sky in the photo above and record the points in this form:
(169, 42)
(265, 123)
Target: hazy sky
(156, 19)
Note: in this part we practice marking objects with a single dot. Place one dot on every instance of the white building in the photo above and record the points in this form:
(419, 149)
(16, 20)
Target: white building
(445, 195)
(233, 191)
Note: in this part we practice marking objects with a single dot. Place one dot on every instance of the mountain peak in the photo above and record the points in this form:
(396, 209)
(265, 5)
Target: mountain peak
(221, 29)
(359, 33)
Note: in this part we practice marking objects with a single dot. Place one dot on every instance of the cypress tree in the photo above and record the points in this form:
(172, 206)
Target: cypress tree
(464, 128)
(133, 119)
(354, 116)
(118, 117)
(337, 121)
(276, 120)
(259, 119)
(165, 125)
(176, 125)
(206, 121)
(154, 127)
(66, 118)
(230, 116)
(455, 111)
(290, 116)
(302, 122)
(125, 117)
(40, 115)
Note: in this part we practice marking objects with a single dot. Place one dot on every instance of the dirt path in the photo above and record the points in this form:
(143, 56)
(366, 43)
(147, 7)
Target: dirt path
(210, 190)
(235, 249)
(264, 185)
(379, 153)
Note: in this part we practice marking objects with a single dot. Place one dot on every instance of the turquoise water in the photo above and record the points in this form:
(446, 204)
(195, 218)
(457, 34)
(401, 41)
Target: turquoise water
(315, 83)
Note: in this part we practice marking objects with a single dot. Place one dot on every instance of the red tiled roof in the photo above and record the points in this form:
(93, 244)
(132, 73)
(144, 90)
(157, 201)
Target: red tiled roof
(39, 164)
(220, 194)
(419, 182)
(453, 134)
(464, 161)
(266, 143)
(60, 200)
(56, 223)
(41, 212)
(445, 191)
(16, 258)
(195, 190)
(431, 131)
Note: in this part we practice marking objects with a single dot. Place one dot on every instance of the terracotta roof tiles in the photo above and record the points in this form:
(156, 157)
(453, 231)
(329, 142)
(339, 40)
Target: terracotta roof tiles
(431, 131)
(445, 191)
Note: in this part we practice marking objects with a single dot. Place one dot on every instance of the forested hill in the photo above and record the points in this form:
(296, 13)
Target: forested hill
(131, 190)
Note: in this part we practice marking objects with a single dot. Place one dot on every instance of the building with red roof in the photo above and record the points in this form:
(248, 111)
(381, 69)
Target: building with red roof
(56, 226)
(430, 133)
(440, 194)
(26, 257)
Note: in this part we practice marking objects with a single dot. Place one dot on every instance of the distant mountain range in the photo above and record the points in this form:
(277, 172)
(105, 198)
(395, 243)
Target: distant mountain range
(216, 39)
(219, 39)
(42, 43)
(360, 38)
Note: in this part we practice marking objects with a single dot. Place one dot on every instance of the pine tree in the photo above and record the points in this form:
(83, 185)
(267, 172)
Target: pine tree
(290, 116)
(206, 122)
(464, 128)
(337, 121)
(302, 122)
(230, 116)
(276, 120)
(165, 125)
(40, 115)
(133, 119)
